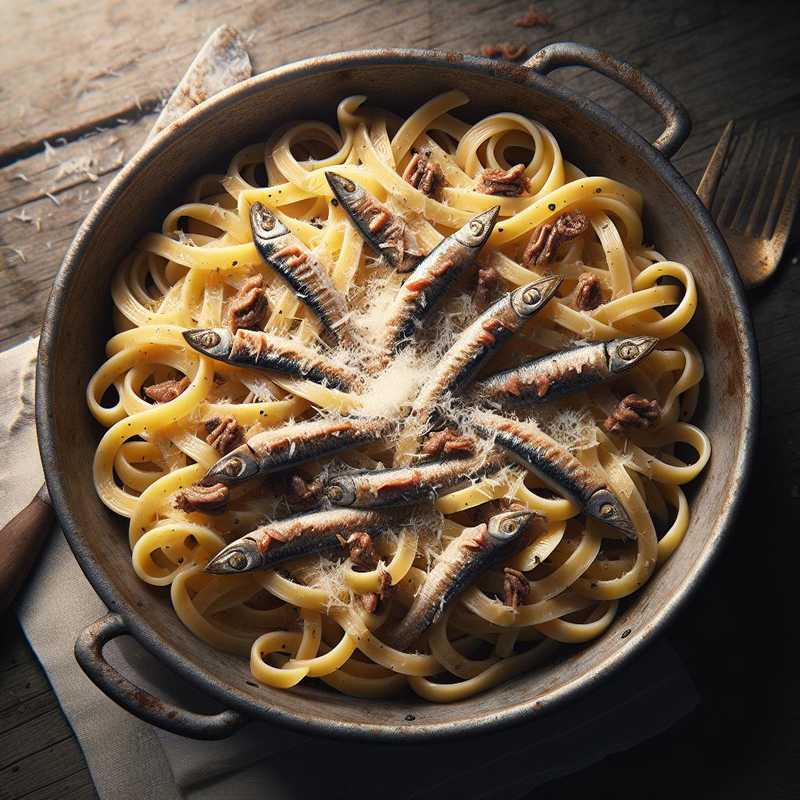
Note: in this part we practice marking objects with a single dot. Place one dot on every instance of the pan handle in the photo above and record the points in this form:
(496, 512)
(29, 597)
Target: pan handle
(570, 54)
(142, 704)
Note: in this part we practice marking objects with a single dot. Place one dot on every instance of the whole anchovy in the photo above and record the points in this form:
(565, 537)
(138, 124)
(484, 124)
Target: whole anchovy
(556, 467)
(383, 230)
(293, 444)
(476, 343)
(261, 350)
(407, 485)
(432, 277)
(472, 552)
(300, 535)
(565, 372)
(298, 266)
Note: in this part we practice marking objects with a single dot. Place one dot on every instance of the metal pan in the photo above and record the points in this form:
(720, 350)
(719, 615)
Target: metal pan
(78, 323)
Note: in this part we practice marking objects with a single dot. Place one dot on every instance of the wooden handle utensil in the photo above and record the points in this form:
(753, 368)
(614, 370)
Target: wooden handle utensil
(20, 542)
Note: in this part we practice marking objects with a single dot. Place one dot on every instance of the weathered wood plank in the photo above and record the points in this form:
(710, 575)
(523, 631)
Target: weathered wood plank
(77, 786)
(39, 734)
(64, 166)
(20, 684)
(111, 68)
(58, 761)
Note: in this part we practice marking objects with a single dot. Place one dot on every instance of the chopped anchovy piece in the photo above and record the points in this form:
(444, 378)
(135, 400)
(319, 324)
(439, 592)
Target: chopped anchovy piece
(556, 467)
(588, 292)
(203, 498)
(543, 244)
(166, 391)
(472, 552)
(447, 442)
(479, 341)
(249, 307)
(294, 444)
(564, 372)
(633, 411)
(503, 182)
(424, 174)
(406, 485)
(224, 435)
(301, 535)
(261, 350)
(427, 284)
(300, 268)
(384, 231)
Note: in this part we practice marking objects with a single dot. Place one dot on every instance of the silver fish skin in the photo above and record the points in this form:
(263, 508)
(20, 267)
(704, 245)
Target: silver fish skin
(431, 279)
(554, 465)
(261, 350)
(479, 341)
(294, 444)
(300, 268)
(472, 552)
(383, 230)
(561, 373)
(408, 485)
(298, 536)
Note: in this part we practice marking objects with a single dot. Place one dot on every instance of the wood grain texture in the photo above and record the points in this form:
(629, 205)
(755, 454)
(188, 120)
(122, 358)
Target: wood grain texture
(81, 65)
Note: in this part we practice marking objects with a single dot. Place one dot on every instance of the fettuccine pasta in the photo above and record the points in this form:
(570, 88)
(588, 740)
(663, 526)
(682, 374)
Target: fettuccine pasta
(307, 618)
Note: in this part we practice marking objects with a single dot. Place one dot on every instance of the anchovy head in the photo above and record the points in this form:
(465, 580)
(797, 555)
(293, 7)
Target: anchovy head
(240, 556)
(238, 466)
(344, 190)
(606, 507)
(265, 224)
(477, 230)
(624, 353)
(340, 491)
(213, 342)
(506, 527)
(528, 299)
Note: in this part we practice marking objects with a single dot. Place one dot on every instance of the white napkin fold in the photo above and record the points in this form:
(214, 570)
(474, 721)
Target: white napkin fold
(131, 759)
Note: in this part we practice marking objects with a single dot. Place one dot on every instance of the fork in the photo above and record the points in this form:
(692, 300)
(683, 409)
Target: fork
(751, 186)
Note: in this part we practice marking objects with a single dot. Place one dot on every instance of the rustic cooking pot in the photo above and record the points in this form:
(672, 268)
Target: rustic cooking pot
(78, 323)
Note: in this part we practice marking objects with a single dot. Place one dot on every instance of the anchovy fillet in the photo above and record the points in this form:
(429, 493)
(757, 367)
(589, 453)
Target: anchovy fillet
(384, 231)
(294, 444)
(431, 279)
(407, 485)
(300, 535)
(561, 373)
(556, 467)
(476, 344)
(472, 552)
(300, 268)
(261, 350)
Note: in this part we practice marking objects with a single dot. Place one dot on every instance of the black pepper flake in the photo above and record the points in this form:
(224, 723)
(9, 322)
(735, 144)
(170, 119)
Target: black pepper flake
(626, 633)
(410, 717)
(551, 207)
(598, 189)
(235, 264)
(334, 201)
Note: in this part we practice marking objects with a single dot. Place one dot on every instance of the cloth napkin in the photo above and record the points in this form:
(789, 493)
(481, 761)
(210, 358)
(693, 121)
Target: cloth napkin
(131, 759)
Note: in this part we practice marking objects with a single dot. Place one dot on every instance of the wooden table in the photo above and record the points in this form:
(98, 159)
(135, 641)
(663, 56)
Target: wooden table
(82, 79)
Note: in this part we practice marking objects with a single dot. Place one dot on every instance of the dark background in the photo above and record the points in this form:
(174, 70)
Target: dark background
(79, 65)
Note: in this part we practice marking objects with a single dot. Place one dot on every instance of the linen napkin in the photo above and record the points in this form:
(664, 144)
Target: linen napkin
(131, 759)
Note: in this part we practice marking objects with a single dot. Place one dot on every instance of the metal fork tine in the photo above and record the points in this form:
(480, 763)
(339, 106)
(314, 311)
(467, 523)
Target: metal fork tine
(778, 196)
(789, 207)
(751, 229)
(707, 188)
(754, 174)
(741, 150)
